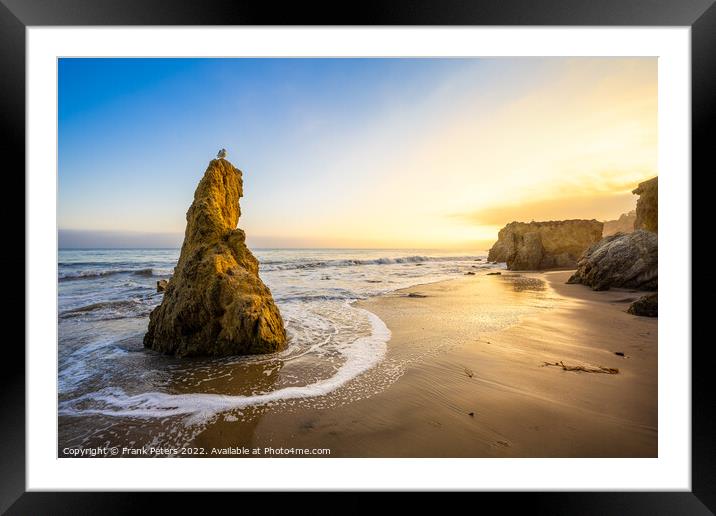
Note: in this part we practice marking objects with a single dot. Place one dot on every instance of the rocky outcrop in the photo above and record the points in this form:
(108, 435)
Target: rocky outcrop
(624, 224)
(544, 245)
(647, 206)
(215, 303)
(628, 261)
(646, 306)
(162, 285)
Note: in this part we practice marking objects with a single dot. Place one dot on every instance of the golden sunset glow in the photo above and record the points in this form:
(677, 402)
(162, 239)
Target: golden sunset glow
(573, 147)
(430, 154)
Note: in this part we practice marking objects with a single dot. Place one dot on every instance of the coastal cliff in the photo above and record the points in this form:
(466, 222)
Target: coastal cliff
(647, 206)
(215, 303)
(624, 224)
(544, 245)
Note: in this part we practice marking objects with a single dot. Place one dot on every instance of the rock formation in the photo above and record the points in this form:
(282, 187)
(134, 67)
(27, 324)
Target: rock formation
(215, 303)
(162, 285)
(624, 224)
(628, 260)
(647, 206)
(621, 260)
(647, 306)
(544, 245)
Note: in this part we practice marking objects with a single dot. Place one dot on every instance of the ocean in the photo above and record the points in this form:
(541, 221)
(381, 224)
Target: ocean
(111, 389)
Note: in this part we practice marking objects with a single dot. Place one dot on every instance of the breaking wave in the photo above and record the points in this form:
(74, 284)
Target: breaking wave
(90, 274)
(293, 264)
(109, 309)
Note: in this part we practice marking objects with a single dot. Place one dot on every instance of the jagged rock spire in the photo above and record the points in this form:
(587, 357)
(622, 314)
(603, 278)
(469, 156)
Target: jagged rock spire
(216, 304)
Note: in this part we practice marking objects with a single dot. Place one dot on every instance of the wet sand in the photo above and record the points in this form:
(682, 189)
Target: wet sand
(467, 392)
(470, 359)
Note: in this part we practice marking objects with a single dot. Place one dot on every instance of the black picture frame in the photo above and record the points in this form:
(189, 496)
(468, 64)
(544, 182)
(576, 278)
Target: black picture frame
(17, 15)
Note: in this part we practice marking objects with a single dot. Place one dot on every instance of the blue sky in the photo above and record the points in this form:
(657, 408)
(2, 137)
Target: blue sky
(335, 152)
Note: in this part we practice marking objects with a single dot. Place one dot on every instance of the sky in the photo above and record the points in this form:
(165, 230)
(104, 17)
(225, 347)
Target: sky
(377, 153)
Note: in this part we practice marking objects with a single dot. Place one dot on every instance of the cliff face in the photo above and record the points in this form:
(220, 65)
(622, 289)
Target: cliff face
(544, 245)
(628, 261)
(624, 224)
(647, 206)
(215, 303)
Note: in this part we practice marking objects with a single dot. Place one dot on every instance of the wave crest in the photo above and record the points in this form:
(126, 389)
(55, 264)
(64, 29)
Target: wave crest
(290, 265)
(90, 274)
(109, 309)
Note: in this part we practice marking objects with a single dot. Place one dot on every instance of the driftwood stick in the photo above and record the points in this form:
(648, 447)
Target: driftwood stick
(585, 369)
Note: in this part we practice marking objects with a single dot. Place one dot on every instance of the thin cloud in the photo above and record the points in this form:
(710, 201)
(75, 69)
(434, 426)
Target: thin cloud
(600, 207)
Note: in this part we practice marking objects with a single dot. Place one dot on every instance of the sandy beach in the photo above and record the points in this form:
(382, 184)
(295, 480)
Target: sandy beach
(363, 258)
(491, 394)
(491, 364)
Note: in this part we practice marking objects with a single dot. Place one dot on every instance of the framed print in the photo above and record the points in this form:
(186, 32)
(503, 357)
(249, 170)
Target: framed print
(414, 250)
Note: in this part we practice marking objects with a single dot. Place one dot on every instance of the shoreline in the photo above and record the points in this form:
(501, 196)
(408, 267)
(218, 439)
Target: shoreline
(484, 365)
(489, 393)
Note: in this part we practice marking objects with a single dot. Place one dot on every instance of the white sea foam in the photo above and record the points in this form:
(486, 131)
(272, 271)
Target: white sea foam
(74, 368)
(94, 272)
(360, 356)
(352, 262)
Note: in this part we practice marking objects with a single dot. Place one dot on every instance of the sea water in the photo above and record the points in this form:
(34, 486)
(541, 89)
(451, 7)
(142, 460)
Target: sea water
(105, 375)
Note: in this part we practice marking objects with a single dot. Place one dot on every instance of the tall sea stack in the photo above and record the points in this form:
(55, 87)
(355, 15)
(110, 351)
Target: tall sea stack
(216, 304)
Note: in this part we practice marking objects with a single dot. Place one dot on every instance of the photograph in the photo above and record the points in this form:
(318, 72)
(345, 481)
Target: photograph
(357, 257)
(407, 248)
